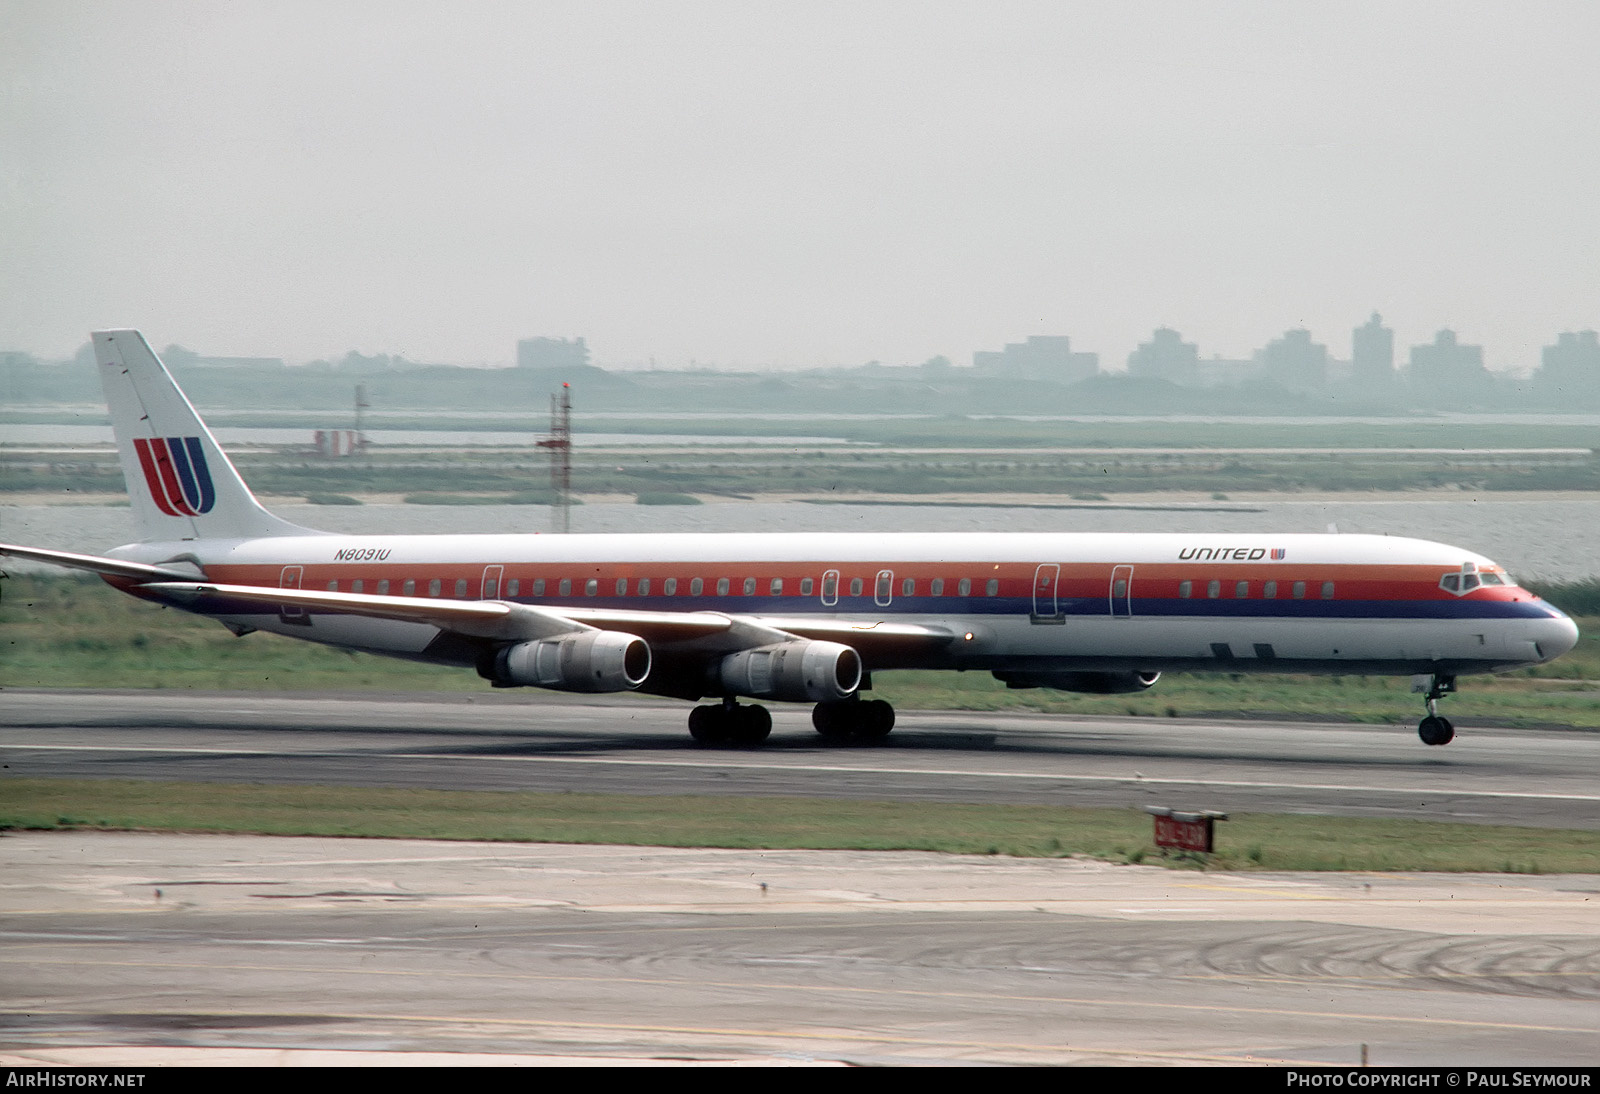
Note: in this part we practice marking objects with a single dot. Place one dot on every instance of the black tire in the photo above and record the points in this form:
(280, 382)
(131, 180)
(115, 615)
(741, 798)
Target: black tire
(707, 725)
(752, 725)
(832, 720)
(875, 721)
(1435, 730)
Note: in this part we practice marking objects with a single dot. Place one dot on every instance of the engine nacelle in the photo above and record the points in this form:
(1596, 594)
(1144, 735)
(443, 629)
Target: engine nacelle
(1090, 683)
(585, 661)
(798, 672)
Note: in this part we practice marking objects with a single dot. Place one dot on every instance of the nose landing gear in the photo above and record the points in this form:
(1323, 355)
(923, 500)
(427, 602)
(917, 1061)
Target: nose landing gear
(1435, 730)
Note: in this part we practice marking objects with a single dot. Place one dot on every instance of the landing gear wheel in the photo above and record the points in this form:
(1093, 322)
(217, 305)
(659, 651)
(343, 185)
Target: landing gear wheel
(751, 725)
(730, 724)
(707, 725)
(853, 721)
(1435, 730)
(877, 719)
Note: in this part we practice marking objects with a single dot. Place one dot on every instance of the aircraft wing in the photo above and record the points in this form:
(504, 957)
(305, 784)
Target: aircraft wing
(497, 619)
(475, 618)
(109, 567)
(501, 620)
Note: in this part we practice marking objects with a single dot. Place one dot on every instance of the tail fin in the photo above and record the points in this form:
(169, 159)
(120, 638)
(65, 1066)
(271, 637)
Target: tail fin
(183, 486)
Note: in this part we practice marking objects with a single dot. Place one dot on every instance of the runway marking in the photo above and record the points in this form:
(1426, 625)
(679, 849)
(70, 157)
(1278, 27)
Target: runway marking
(831, 769)
(832, 989)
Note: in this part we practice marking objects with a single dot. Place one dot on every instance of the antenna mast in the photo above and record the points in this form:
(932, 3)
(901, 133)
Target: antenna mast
(560, 446)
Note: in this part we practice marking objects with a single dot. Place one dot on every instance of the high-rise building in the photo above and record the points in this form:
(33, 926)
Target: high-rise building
(1372, 352)
(1446, 363)
(1294, 360)
(1572, 365)
(552, 353)
(1166, 357)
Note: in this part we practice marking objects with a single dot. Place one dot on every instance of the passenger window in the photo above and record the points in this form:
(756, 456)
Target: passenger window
(383, 587)
(357, 585)
(461, 587)
(1186, 589)
(513, 586)
(776, 588)
(993, 588)
(411, 586)
(965, 587)
(696, 585)
(749, 586)
(538, 586)
(722, 586)
(566, 586)
(882, 589)
(1270, 590)
(434, 586)
(855, 586)
(622, 586)
(1120, 589)
(806, 585)
(1299, 590)
(333, 586)
(1327, 590)
(938, 586)
(671, 587)
(644, 586)
(908, 587)
(591, 586)
(1214, 589)
(1241, 590)
(830, 586)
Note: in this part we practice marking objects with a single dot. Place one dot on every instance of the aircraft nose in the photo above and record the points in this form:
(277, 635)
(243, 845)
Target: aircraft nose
(1555, 637)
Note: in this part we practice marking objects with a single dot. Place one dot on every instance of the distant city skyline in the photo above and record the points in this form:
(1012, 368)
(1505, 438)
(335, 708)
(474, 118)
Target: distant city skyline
(784, 186)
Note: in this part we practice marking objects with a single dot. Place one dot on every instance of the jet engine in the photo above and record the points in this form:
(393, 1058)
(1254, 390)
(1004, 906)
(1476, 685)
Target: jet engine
(1091, 683)
(798, 672)
(584, 661)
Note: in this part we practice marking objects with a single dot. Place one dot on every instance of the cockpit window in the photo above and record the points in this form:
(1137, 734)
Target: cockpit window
(1469, 577)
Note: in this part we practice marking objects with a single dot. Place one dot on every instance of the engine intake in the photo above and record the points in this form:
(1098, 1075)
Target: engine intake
(1091, 683)
(797, 672)
(590, 661)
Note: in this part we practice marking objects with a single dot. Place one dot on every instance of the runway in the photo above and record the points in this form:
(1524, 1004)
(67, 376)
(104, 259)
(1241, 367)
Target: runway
(633, 745)
(133, 949)
(137, 949)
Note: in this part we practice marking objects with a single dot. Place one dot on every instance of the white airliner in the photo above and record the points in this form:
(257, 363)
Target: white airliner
(797, 618)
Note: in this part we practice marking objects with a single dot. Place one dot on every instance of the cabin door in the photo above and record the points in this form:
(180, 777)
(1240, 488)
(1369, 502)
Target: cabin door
(291, 613)
(490, 590)
(1122, 592)
(1046, 598)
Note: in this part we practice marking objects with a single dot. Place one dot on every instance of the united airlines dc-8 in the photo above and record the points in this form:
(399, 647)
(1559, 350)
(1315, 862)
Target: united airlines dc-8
(797, 617)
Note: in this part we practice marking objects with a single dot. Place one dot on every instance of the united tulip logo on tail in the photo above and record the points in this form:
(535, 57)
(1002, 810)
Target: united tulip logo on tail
(175, 468)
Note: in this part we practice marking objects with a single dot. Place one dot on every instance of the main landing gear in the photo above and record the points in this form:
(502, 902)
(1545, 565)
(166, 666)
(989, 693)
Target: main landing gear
(853, 721)
(730, 724)
(1435, 730)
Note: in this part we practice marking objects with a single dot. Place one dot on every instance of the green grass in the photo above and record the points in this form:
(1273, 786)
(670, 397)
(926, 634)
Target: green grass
(1247, 842)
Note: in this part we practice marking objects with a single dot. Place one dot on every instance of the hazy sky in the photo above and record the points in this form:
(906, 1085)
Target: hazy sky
(795, 183)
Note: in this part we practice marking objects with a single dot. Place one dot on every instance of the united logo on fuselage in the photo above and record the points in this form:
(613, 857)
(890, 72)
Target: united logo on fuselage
(175, 469)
